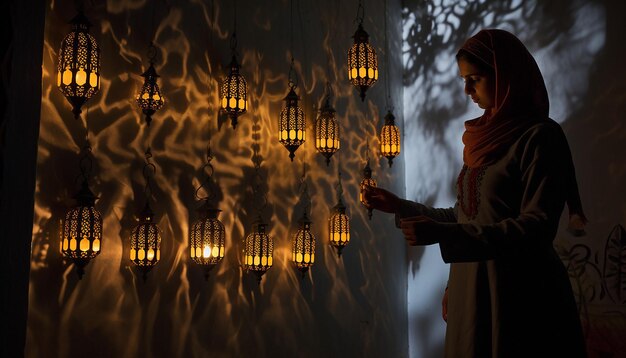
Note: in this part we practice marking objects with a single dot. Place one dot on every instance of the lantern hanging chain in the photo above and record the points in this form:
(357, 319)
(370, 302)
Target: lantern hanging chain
(304, 188)
(367, 150)
(387, 57)
(233, 38)
(79, 6)
(360, 13)
(85, 163)
(339, 188)
(149, 171)
(152, 51)
(259, 196)
(209, 170)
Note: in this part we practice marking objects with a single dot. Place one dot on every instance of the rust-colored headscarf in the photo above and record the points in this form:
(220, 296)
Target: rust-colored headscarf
(521, 101)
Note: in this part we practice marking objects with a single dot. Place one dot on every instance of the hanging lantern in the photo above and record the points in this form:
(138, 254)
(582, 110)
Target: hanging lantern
(233, 93)
(339, 224)
(362, 62)
(81, 238)
(149, 98)
(258, 250)
(303, 246)
(145, 242)
(292, 125)
(207, 238)
(390, 139)
(367, 181)
(327, 132)
(78, 70)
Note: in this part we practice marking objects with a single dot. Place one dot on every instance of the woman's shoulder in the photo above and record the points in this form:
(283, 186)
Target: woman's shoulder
(546, 131)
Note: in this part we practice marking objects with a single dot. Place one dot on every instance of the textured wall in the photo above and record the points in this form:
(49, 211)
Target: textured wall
(354, 306)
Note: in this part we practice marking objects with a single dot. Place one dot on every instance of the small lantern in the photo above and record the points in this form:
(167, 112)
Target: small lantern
(303, 246)
(81, 238)
(78, 70)
(339, 224)
(149, 98)
(362, 62)
(390, 139)
(258, 250)
(327, 132)
(207, 238)
(145, 242)
(367, 181)
(234, 93)
(292, 125)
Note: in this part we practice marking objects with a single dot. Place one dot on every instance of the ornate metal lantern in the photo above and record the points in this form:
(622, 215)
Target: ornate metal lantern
(78, 70)
(362, 59)
(145, 242)
(207, 238)
(303, 246)
(390, 139)
(258, 250)
(234, 92)
(81, 238)
(327, 131)
(149, 98)
(339, 223)
(367, 181)
(292, 125)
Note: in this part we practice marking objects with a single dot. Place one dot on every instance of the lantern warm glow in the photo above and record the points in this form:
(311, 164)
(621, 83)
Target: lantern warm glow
(362, 62)
(149, 98)
(327, 132)
(303, 246)
(233, 93)
(339, 228)
(292, 125)
(258, 251)
(145, 242)
(78, 70)
(390, 138)
(207, 238)
(81, 238)
(367, 181)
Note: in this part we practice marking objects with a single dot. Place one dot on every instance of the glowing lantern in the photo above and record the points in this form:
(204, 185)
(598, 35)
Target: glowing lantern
(362, 62)
(327, 132)
(81, 238)
(258, 250)
(149, 98)
(339, 224)
(78, 70)
(390, 138)
(367, 181)
(233, 93)
(207, 238)
(303, 246)
(145, 242)
(292, 125)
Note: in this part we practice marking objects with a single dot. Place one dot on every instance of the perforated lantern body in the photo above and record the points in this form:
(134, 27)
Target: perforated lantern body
(233, 94)
(362, 62)
(303, 246)
(367, 181)
(327, 132)
(207, 239)
(145, 242)
(81, 238)
(258, 251)
(78, 69)
(339, 228)
(292, 125)
(390, 139)
(149, 98)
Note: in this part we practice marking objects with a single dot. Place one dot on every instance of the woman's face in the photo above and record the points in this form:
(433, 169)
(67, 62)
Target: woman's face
(480, 86)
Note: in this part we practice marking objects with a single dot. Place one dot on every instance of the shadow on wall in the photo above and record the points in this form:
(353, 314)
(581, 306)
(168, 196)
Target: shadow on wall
(578, 46)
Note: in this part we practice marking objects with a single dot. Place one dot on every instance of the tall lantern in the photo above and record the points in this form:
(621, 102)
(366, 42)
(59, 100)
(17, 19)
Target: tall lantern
(303, 246)
(390, 139)
(145, 242)
(292, 125)
(367, 181)
(362, 59)
(339, 223)
(81, 238)
(78, 70)
(258, 250)
(234, 89)
(207, 238)
(327, 136)
(149, 97)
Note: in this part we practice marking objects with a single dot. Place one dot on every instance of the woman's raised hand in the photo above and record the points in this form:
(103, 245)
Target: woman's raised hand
(380, 199)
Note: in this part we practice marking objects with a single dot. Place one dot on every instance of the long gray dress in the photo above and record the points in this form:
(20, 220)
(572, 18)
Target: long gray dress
(508, 292)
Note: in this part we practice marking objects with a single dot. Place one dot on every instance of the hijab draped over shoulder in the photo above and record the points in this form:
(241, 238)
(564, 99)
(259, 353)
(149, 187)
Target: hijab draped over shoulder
(521, 101)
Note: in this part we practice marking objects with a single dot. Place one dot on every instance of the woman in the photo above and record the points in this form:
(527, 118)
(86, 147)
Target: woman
(508, 293)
